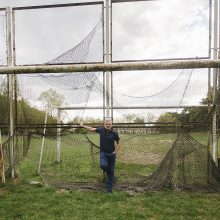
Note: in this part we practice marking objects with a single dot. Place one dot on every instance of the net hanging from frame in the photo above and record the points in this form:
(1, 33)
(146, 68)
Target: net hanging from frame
(153, 157)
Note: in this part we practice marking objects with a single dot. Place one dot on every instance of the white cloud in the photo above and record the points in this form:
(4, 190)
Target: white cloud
(160, 29)
(44, 34)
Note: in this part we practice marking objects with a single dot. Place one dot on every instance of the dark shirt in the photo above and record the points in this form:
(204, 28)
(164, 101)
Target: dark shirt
(107, 139)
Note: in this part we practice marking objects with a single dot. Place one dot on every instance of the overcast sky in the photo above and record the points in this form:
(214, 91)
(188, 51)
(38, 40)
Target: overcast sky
(140, 30)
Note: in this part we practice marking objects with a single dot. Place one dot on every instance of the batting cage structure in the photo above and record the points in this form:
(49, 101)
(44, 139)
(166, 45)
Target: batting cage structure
(165, 109)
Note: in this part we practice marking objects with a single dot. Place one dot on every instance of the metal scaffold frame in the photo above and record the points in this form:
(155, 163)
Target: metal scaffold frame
(212, 63)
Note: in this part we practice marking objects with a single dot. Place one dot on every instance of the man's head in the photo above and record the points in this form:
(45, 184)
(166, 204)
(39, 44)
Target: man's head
(108, 124)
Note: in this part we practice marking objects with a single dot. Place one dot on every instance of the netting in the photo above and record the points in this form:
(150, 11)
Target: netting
(174, 88)
(4, 100)
(153, 158)
(3, 55)
(160, 148)
(71, 89)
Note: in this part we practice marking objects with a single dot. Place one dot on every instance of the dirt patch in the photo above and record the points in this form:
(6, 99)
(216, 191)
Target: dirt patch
(63, 191)
(3, 191)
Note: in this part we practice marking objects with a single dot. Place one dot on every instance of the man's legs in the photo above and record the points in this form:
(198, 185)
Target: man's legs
(104, 161)
(107, 164)
(111, 172)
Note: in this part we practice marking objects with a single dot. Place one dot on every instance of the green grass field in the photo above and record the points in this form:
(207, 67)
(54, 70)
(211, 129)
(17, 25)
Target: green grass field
(25, 202)
(140, 155)
(22, 201)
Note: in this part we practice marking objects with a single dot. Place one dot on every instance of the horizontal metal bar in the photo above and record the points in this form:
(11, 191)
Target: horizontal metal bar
(80, 108)
(145, 127)
(162, 59)
(119, 1)
(148, 65)
(160, 107)
(57, 5)
(133, 107)
(115, 124)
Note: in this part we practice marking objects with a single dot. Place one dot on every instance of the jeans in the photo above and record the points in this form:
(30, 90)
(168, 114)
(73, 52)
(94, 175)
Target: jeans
(107, 164)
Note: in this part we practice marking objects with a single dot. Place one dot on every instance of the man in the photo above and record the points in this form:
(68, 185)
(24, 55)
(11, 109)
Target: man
(109, 146)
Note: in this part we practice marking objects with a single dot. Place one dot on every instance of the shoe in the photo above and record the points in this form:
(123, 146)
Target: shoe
(109, 190)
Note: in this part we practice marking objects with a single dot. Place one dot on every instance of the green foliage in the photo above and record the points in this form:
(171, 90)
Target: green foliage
(165, 122)
(167, 117)
(194, 114)
(29, 115)
(132, 117)
(80, 131)
(4, 108)
(87, 120)
(139, 119)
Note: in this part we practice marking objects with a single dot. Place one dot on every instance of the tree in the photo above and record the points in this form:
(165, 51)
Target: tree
(133, 118)
(51, 100)
(4, 87)
(195, 114)
(139, 119)
(130, 117)
(167, 117)
(150, 117)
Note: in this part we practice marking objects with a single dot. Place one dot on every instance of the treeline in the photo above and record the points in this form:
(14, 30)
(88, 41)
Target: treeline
(26, 114)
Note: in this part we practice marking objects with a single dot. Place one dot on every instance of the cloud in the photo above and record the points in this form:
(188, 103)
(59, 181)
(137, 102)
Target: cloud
(160, 29)
(44, 34)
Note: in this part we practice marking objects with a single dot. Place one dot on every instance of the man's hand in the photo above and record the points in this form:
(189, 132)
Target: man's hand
(87, 127)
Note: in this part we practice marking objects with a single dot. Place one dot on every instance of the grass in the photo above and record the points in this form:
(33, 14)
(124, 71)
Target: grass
(25, 202)
(19, 200)
(140, 156)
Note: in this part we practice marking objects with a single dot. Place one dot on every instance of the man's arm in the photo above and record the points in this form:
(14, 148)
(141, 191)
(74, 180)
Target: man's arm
(117, 146)
(87, 127)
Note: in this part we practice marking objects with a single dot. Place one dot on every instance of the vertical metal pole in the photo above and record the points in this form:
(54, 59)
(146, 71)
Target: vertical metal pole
(42, 144)
(103, 90)
(13, 32)
(210, 54)
(15, 100)
(107, 75)
(103, 43)
(112, 96)
(209, 91)
(11, 87)
(107, 57)
(218, 72)
(215, 56)
(112, 110)
(58, 134)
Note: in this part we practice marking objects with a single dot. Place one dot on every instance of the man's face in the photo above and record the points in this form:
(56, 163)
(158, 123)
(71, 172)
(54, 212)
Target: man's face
(108, 124)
